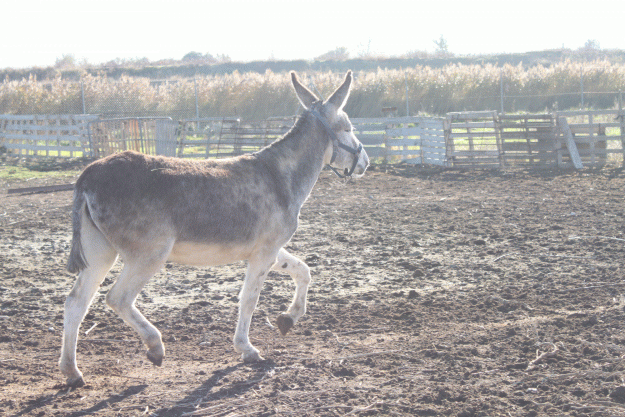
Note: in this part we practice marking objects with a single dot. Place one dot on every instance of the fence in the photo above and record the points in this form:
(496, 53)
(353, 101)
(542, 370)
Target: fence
(64, 136)
(473, 140)
(528, 139)
(461, 140)
(156, 136)
(223, 137)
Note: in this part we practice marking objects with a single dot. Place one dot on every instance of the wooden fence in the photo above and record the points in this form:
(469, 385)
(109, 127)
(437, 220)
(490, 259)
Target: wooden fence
(598, 135)
(63, 136)
(528, 139)
(571, 138)
(473, 139)
(415, 140)
(464, 140)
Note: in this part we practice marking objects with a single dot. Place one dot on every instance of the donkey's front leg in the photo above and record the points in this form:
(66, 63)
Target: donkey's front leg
(300, 273)
(257, 270)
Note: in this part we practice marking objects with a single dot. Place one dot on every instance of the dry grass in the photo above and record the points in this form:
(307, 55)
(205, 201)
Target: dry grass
(255, 96)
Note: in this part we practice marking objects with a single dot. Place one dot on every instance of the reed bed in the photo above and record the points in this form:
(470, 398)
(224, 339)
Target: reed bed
(255, 96)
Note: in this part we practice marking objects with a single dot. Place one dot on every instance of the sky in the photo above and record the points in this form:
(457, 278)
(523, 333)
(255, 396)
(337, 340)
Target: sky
(38, 32)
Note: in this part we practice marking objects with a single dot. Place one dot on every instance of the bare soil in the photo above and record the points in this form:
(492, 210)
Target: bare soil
(452, 293)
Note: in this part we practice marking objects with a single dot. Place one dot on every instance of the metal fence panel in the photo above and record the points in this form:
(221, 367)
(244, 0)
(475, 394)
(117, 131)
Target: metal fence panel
(142, 134)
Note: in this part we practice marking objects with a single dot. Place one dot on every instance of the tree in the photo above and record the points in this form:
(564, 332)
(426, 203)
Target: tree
(591, 50)
(199, 58)
(66, 62)
(338, 54)
(442, 48)
(193, 56)
(592, 44)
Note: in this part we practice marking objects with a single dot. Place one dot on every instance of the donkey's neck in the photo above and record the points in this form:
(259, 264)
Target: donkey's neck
(299, 157)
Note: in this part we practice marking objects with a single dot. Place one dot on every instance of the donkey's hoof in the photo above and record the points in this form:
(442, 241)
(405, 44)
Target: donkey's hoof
(285, 323)
(75, 382)
(252, 357)
(155, 359)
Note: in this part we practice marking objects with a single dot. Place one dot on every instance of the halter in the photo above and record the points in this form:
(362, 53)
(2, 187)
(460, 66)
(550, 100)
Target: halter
(336, 144)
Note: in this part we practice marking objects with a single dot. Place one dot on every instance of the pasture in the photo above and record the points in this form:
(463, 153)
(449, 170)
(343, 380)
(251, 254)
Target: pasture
(434, 292)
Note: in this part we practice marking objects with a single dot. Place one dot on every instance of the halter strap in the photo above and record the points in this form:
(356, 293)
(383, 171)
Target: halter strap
(336, 143)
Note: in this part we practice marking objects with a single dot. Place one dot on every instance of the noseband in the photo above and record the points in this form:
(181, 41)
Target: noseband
(336, 144)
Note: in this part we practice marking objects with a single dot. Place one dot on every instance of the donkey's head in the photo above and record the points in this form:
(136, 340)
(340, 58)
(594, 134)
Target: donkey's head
(345, 153)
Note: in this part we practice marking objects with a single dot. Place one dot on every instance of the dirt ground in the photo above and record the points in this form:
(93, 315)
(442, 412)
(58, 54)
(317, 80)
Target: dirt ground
(451, 293)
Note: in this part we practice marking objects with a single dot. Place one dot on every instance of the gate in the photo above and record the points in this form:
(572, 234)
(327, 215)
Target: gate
(473, 139)
(149, 135)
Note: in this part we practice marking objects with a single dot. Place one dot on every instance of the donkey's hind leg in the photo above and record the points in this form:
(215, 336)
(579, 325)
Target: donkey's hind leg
(121, 298)
(300, 273)
(100, 256)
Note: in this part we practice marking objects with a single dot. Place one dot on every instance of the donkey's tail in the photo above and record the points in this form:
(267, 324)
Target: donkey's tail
(77, 261)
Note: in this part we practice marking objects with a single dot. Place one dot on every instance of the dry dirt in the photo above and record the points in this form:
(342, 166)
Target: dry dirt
(435, 293)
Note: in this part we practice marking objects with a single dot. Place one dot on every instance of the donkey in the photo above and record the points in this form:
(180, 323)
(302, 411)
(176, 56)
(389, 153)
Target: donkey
(150, 210)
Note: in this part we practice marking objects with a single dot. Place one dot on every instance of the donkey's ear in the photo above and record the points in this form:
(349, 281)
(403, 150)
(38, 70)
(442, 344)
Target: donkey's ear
(305, 96)
(339, 97)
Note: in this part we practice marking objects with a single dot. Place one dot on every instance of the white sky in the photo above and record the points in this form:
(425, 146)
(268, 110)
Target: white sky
(37, 32)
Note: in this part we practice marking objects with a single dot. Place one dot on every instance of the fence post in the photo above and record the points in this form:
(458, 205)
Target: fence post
(141, 143)
(82, 95)
(501, 89)
(197, 107)
(621, 117)
(581, 83)
(406, 81)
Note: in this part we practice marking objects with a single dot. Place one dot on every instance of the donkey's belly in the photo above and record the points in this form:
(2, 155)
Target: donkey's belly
(201, 254)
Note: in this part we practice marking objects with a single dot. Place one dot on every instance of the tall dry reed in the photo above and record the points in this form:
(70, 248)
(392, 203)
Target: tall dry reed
(255, 96)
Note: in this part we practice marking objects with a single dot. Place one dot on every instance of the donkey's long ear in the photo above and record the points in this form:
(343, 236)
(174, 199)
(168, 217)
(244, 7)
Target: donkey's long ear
(305, 96)
(339, 97)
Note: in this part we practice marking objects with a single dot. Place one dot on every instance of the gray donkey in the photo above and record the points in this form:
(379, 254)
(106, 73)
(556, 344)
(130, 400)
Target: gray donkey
(153, 209)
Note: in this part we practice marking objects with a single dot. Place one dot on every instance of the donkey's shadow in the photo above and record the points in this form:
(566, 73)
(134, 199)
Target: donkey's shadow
(200, 395)
(203, 394)
(113, 399)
